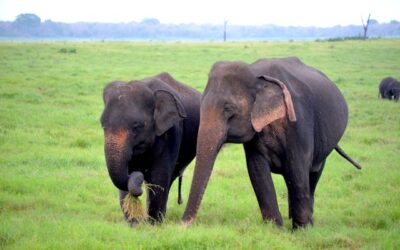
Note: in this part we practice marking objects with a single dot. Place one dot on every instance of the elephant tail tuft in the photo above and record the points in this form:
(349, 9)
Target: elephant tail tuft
(344, 155)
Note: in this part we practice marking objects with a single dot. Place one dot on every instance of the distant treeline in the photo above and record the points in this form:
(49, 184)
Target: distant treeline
(30, 26)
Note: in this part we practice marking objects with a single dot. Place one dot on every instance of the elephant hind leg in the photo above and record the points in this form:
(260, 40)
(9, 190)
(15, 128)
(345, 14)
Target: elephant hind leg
(300, 201)
(314, 178)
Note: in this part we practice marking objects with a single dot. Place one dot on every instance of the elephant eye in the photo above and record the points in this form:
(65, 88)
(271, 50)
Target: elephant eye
(136, 126)
(229, 110)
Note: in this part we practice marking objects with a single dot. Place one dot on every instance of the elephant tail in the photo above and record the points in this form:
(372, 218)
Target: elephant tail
(179, 190)
(344, 155)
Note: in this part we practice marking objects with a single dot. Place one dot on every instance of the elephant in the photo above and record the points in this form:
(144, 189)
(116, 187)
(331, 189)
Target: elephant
(288, 116)
(150, 134)
(389, 88)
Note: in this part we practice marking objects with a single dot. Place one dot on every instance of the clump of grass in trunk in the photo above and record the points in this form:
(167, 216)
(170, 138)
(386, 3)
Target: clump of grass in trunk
(133, 206)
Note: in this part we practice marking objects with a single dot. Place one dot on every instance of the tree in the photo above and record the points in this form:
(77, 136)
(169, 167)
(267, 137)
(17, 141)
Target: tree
(373, 22)
(150, 21)
(27, 21)
(365, 25)
(225, 24)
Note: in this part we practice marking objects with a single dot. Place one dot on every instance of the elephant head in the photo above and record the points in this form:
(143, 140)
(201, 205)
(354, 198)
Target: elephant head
(236, 104)
(135, 113)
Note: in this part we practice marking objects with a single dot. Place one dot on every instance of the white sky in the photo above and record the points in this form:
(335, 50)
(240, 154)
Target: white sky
(321, 13)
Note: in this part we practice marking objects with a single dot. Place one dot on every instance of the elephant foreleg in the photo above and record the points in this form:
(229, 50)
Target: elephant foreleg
(122, 195)
(261, 179)
(157, 202)
(160, 176)
(158, 190)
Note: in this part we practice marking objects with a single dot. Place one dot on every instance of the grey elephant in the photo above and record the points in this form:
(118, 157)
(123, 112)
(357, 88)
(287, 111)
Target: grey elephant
(150, 134)
(389, 88)
(288, 116)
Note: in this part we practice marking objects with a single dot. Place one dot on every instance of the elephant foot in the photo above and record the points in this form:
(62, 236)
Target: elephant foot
(277, 221)
(187, 223)
(133, 224)
(299, 225)
(274, 217)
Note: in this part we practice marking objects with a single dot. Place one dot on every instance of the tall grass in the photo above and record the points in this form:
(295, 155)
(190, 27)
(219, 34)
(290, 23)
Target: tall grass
(55, 192)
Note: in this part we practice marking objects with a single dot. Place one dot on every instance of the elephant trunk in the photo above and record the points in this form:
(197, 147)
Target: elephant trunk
(211, 136)
(136, 179)
(116, 153)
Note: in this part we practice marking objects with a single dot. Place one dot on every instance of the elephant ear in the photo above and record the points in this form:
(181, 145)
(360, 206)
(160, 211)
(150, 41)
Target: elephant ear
(168, 111)
(271, 103)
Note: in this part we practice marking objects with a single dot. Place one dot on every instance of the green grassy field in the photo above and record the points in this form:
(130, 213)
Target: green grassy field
(55, 192)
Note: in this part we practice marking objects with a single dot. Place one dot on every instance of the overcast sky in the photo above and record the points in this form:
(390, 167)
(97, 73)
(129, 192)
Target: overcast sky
(321, 13)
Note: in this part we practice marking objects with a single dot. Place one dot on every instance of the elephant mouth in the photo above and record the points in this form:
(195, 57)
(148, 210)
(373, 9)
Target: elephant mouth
(139, 148)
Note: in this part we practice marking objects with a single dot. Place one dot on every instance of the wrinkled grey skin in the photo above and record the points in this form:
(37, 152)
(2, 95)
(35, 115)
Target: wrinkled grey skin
(288, 116)
(389, 88)
(150, 130)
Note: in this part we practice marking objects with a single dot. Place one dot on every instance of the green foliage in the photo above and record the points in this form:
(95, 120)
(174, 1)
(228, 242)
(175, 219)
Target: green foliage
(338, 39)
(27, 20)
(55, 192)
(29, 25)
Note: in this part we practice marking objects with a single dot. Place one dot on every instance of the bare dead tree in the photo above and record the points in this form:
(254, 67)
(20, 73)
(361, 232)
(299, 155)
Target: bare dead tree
(225, 24)
(365, 25)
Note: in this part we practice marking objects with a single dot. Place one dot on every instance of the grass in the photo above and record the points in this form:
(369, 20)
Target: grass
(134, 208)
(55, 192)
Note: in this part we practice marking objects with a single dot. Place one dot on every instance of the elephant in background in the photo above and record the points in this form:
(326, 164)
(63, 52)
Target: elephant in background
(389, 88)
(150, 134)
(288, 116)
